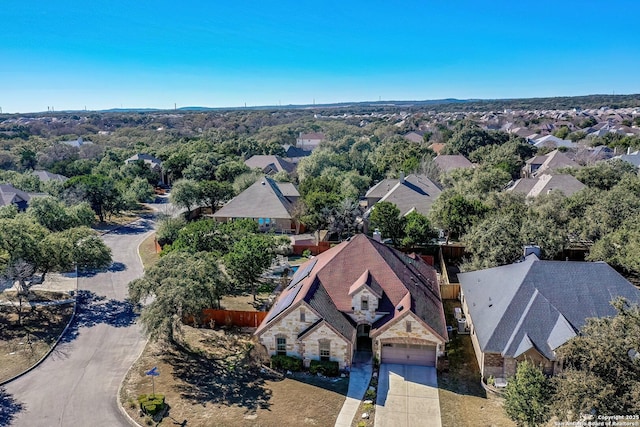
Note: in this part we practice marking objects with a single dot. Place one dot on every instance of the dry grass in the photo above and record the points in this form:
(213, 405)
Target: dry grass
(147, 251)
(243, 302)
(22, 346)
(463, 401)
(218, 383)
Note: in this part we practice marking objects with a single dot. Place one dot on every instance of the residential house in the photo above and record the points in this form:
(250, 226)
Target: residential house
(548, 163)
(360, 295)
(295, 154)
(152, 162)
(9, 195)
(437, 147)
(550, 141)
(527, 310)
(544, 184)
(266, 201)
(413, 193)
(46, 176)
(270, 164)
(447, 163)
(415, 136)
(76, 142)
(632, 158)
(309, 141)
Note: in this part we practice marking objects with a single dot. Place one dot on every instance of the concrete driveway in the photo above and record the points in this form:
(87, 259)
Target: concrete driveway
(407, 397)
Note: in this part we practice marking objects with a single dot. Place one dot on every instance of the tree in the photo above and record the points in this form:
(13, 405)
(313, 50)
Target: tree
(182, 285)
(494, 241)
(344, 218)
(213, 193)
(527, 396)
(455, 213)
(620, 248)
(50, 213)
(249, 258)
(98, 190)
(417, 230)
(601, 366)
(186, 194)
(603, 175)
(386, 217)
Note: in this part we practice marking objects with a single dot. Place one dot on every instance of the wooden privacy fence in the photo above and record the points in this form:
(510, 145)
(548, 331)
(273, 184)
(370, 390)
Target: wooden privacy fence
(315, 249)
(233, 317)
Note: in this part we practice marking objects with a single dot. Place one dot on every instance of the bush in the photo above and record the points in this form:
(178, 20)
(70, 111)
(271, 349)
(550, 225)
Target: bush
(151, 404)
(325, 367)
(286, 362)
(306, 253)
(370, 395)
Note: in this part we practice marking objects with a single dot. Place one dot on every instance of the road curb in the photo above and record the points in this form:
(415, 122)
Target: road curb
(121, 408)
(55, 344)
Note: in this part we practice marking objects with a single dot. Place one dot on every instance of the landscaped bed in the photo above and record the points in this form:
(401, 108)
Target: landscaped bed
(463, 400)
(219, 382)
(23, 346)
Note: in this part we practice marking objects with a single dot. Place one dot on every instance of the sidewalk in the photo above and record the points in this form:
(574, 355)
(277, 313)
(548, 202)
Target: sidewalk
(359, 379)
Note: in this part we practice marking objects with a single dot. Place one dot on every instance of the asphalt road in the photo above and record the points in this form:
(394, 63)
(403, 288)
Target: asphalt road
(77, 384)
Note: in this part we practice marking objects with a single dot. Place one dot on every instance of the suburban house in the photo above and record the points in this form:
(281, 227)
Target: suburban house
(411, 193)
(9, 195)
(551, 141)
(268, 202)
(447, 162)
(529, 309)
(270, 164)
(309, 141)
(632, 158)
(153, 163)
(539, 165)
(295, 154)
(360, 295)
(544, 184)
(76, 142)
(46, 176)
(415, 136)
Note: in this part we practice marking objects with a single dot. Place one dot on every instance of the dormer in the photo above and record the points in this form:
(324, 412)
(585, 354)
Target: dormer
(365, 294)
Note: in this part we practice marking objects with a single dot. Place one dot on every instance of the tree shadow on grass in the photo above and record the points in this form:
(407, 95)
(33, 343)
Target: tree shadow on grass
(9, 407)
(94, 309)
(212, 381)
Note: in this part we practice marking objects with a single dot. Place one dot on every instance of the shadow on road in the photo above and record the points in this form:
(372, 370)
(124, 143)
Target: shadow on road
(9, 407)
(94, 309)
(138, 227)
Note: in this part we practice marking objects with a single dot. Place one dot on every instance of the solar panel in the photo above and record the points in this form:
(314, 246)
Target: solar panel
(283, 303)
(301, 274)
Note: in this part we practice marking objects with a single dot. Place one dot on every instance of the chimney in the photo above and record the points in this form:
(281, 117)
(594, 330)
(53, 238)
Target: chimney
(377, 236)
(532, 249)
(402, 177)
(628, 151)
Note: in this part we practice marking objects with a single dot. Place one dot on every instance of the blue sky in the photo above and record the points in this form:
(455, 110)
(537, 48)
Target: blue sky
(73, 54)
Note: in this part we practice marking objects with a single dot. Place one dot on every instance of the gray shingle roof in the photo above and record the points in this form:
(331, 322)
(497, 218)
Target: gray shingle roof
(534, 187)
(11, 195)
(319, 300)
(452, 161)
(539, 304)
(263, 199)
(46, 176)
(416, 192)
(269, 163)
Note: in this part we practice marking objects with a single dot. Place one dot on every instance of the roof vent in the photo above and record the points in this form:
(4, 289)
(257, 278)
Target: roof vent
(263, 182)
(400, 307)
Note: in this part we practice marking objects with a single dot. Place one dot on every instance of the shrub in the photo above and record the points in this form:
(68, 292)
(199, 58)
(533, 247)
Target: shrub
(151, 404)
(289, 363)
(306, 253)
(370, 394)
(325, 367)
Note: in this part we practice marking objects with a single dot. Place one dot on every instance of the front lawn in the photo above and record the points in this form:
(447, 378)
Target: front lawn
(219, 382)
(463, 401)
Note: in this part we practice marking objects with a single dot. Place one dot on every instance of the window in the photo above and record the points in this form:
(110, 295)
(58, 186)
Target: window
(408, 326)
(364, 305)
(302, 315)
(325, 349)
(281, 346)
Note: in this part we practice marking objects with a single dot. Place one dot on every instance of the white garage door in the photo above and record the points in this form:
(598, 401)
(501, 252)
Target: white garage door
(409, 354)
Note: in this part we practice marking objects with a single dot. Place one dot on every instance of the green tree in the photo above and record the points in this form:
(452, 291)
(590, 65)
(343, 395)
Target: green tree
(385, 216)
(98, 190)
(213, 193)
(248, 259)
(168, 229)
(603, 175)
(182, 285)
(186, 194)
(50, 213)
(344, 218)
(528, 396)
(620, 248)
(494, 241)
(455, 213)
(601, 367)
(228, 171)
(417, 230)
